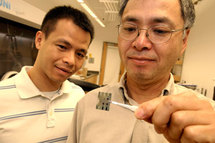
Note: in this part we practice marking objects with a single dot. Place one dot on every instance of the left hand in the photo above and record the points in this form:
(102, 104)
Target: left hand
(182, 118)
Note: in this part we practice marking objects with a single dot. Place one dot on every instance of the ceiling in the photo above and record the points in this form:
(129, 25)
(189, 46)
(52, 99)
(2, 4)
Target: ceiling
(105, 10)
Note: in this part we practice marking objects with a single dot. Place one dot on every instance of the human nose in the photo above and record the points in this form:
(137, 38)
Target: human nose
(142, 41)
(69, 58)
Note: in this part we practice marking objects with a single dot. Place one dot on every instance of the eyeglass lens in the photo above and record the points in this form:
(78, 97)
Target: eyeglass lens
(156, 34)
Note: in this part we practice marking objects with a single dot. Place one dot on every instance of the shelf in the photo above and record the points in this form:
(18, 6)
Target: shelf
(177, 78)
(179, 62)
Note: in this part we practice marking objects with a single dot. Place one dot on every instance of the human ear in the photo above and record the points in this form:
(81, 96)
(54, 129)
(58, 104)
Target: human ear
(185, 39)
(38, 39)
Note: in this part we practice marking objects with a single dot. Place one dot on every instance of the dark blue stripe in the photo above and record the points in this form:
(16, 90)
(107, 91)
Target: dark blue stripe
(64, 110)
(7, 87)
(55, 140)
(23, 115)
(35, 113)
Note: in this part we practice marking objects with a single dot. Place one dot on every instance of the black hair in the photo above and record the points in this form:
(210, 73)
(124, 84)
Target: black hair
(66, 12)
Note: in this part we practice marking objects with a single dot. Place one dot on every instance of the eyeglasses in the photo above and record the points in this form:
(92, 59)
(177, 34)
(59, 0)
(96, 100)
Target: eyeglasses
(156, 34)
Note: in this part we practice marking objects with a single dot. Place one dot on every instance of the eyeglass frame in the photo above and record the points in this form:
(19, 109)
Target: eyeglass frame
(147, 35)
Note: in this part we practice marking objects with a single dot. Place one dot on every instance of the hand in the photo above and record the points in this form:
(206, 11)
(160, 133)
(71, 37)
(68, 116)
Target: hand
(182, 118)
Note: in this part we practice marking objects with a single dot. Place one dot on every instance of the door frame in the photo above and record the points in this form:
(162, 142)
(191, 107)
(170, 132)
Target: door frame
(103, 62)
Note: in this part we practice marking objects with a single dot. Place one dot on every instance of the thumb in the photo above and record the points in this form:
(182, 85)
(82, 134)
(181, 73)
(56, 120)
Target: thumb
(145, 110)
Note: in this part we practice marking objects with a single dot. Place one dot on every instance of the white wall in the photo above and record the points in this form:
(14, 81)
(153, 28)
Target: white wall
(199, 61)
(107, 34)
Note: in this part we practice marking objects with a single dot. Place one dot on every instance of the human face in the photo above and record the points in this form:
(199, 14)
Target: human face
(63, 52)
(142, 58)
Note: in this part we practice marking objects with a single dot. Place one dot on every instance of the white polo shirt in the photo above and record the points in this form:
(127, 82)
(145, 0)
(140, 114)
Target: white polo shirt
(28, 116)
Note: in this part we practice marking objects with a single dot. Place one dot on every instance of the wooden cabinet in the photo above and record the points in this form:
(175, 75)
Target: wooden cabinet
(177, 69)
(91, 79)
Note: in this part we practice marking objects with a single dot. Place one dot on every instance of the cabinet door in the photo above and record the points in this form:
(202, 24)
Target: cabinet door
(177, 69)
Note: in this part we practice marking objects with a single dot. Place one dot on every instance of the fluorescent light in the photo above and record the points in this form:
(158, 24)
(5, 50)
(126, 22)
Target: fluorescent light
(88, 10)
(83, 4)
(99, 22)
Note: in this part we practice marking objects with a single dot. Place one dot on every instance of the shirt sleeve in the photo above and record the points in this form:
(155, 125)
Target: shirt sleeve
(74, 130)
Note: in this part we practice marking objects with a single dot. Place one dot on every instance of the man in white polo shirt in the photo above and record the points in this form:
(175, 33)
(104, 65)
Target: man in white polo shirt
(37, 104)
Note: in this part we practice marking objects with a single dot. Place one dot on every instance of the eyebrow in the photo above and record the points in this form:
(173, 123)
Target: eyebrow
(64, 42)
(153, 20)
(68, 44)
(164, 20)
(130, 19)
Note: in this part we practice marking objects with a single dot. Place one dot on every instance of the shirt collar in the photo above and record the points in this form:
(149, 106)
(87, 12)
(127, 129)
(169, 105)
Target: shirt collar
(25, 86)
(67, 87)
(166, 91)
(27, 89)
(169, 87)
(122, 87)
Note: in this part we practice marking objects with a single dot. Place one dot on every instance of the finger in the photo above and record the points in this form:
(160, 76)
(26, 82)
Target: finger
(182, 119)
(171, 104)
(199, 134)
(146, 109)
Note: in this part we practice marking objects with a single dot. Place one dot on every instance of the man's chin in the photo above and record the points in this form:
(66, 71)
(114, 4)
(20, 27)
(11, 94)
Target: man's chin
(60, 79)
(140, 75)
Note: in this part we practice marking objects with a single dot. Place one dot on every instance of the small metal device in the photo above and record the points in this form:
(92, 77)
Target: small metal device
(104, 101)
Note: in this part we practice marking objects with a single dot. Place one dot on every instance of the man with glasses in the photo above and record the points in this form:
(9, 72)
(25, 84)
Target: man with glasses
(153, 34)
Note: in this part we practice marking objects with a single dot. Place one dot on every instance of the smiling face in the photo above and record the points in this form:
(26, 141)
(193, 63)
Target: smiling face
(143, 59)
(62, 53)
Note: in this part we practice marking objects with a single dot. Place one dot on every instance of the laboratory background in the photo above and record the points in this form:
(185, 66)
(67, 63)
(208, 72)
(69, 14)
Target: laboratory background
(21, 19)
